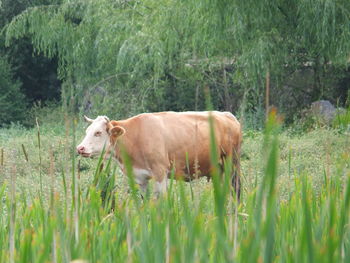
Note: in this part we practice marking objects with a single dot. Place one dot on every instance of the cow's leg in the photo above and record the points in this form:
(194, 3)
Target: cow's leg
(160, 187)
(142, 177)
(236, 176)
(143, 188)
(236, 184)
(160, 178)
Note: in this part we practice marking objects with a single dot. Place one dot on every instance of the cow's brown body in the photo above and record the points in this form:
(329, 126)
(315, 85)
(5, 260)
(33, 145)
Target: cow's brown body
(158, 143)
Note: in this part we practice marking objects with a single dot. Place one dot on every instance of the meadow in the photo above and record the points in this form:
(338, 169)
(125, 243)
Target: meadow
(58, 207)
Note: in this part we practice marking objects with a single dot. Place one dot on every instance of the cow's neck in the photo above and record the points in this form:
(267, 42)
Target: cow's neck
(116, 152)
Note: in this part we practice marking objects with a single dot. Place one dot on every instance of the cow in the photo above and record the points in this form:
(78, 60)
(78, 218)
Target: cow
(162, 143)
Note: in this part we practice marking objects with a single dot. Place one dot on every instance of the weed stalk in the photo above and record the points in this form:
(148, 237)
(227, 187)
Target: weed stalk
(2, 157)
(25, 153)
(12, 215)
(40, 161)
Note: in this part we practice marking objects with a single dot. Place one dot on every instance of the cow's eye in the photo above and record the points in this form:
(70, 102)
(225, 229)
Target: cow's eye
(97, 134)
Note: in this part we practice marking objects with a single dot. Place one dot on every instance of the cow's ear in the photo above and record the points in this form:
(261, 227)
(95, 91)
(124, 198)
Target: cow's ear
(110, 125)
(116, 131)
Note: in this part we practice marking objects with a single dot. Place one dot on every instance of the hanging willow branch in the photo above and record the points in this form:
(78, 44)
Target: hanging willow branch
(94, 40)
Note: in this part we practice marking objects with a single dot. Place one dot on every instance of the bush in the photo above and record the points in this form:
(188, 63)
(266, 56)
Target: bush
(49, 112)
(12, 101)
(342, 119)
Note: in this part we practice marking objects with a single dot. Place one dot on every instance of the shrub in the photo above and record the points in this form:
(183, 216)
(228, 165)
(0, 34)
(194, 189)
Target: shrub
(342, 119)
(12, 100)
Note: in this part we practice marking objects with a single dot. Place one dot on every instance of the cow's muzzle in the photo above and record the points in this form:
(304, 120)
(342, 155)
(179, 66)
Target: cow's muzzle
(81, 151)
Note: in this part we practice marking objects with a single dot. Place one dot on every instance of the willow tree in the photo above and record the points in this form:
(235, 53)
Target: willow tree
(284, 36)
(154, 55)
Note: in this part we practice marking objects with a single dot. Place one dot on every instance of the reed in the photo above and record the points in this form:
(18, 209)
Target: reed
(2, 157)
(12, 216)
(25, 153)
(40, 160)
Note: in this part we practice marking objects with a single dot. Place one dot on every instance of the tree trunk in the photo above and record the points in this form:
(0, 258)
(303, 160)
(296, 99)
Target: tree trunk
(227, 98)
(267, 93)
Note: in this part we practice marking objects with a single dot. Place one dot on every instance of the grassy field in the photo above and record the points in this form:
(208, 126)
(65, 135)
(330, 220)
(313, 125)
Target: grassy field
(295, 208)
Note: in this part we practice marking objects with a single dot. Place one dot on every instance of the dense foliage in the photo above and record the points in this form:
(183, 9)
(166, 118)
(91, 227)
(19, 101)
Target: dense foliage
(35, 74)
(160, 55)
(12, 100)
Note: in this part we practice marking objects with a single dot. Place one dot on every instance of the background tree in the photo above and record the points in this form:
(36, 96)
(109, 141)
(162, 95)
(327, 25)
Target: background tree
(12, 100)
(161, 55)
(37, 73)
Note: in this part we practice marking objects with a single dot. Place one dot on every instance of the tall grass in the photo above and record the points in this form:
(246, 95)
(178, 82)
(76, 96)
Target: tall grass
(98, 222)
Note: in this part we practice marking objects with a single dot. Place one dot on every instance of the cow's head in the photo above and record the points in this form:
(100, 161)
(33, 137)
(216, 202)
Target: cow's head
(96, 138)
(100, 134)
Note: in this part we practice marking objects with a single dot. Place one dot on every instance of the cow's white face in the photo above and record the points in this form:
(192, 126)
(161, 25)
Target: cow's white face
(96, 138)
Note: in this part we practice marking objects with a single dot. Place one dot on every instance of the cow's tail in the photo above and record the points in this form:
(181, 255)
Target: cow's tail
(236, 156)
(236, 175)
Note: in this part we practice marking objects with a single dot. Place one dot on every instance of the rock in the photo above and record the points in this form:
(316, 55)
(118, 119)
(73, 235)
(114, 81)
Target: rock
(323, 111)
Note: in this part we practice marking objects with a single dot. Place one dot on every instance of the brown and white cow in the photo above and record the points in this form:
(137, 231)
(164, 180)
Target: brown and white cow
(158, 143)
